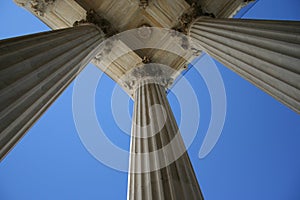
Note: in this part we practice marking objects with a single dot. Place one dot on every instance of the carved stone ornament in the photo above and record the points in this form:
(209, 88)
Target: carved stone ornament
(188, 17)
(148, 73)
(94, 18)
(144, 31)
(39, 7)
(143, 4)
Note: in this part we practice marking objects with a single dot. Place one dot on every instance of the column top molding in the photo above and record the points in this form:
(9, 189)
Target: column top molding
(147, 73)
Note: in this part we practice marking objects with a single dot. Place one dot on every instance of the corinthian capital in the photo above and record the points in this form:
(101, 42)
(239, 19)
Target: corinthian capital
(148, 73)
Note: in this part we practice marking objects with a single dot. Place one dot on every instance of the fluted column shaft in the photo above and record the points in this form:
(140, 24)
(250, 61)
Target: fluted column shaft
(265, 52)
(151, 177)
(34, 70)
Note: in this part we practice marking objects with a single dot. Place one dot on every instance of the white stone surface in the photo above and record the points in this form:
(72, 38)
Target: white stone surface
(35, 70)
(125, 15)
(155, 143)
(266, 53)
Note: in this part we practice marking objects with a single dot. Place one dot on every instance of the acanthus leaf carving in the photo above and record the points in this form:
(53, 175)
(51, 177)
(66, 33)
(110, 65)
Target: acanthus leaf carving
(148, 73)
(94, 18)
(190, 15)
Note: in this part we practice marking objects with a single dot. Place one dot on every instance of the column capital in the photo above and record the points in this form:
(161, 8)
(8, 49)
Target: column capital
(147, 73)
(190, 15)
(93, 18)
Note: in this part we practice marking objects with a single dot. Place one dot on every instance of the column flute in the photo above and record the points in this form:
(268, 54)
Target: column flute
(264, 52)
(35, 70)
(160, 167)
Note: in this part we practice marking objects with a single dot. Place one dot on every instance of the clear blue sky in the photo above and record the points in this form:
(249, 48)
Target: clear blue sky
(257, 156)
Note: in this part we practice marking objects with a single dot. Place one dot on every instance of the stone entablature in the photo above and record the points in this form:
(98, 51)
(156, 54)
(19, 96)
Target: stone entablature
(117, 56)
(56, 14)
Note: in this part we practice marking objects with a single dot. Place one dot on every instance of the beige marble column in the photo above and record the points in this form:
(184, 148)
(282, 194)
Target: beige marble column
(160, 168)
(35, 70)
(264, 52)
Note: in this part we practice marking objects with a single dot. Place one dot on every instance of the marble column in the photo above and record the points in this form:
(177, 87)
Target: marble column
(264, 52)
(160, 167)
(34, 70)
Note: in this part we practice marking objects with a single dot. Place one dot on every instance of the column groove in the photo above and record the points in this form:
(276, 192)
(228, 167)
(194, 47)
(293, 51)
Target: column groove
(34, 77)
(264, 52)
(175, 181)
(34, 71)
